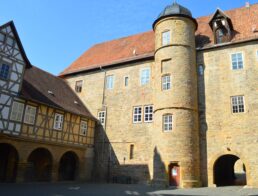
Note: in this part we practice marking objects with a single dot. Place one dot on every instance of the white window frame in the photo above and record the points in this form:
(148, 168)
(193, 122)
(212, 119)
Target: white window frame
(58, 123)
(126, 81)
(84, 127)
(236, 105)
(237, 61)
(137, 114)
(102, 117)
(166, 82)
(30, 114)
(148, 116)
(18, 114)
(166, 38)
(144, 79)
(167, 124)
(110, 79)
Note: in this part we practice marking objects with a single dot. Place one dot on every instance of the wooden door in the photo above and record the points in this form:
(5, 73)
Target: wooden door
(174, 175)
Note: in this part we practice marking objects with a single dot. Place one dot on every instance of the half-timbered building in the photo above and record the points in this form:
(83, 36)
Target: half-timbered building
(46, 132)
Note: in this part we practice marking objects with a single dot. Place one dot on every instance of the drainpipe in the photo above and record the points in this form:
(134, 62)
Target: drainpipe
(104, 86)
(104, 107)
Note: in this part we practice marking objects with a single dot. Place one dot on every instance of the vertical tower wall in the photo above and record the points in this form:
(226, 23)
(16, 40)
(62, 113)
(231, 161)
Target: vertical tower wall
(181, 145)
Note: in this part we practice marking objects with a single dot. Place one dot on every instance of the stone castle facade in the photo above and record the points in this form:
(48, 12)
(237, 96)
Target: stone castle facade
(177, 105)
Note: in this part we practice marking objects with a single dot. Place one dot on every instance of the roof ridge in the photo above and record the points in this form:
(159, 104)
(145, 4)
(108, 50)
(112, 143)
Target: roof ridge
(120, 38)
(228, 10)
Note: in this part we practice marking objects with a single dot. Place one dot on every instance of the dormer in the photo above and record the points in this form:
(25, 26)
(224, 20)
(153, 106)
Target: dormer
(222, 27)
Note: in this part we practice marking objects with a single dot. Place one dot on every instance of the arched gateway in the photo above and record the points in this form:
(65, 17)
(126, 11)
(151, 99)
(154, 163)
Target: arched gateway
(68, 166)
(229, 171)
(40, 161)
(8, 163)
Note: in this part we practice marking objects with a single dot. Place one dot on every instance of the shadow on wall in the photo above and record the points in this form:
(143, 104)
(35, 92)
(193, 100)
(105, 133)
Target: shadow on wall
(107, 167)
(159, 170)
(202, 119)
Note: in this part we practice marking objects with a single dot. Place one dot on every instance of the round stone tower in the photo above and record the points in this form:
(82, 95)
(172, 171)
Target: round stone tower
(176, 131)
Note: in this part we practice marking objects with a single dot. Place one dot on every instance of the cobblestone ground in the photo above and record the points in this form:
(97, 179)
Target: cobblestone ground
(73, 189)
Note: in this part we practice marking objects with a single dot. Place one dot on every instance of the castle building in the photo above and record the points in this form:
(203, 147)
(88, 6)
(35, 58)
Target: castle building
(46, 132)
(177, 105)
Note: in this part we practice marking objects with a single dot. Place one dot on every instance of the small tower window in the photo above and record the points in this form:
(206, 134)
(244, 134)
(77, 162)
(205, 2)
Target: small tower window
(167, 122)
(166, 82)
(165, 38)
(126, 81)
(131, 155)
(78, 86)
(200, 70)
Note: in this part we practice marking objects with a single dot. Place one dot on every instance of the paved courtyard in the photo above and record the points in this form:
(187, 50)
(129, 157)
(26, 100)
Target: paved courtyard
(76, 189)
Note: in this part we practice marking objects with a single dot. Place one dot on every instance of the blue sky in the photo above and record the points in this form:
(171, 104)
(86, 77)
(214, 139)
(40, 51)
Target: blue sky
(56, 32)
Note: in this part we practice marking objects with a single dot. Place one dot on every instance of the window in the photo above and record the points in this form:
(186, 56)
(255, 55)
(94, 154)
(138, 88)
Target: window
(102, 117)
(166, 82)
(131, 151)
(257, 55)
(145, 76)
(165, 38)
(137, 114)
(30, 113)
(17, 111)
(167, 122)
(237, 104)
(200, 70)
(58, 123)
(222, 35)
(110, 82)
(2, 37)
(126, 81)
(148, 113)
(219, 36)
(4, 71)
(84, 128)
(237, 61)
(78, 86)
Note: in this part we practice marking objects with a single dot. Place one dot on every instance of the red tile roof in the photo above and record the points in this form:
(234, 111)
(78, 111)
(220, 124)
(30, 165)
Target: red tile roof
(244, 20)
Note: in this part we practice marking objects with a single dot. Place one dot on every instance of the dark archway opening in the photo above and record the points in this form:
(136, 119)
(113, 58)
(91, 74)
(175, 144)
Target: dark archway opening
(8, 163)
(68, 167)
(40, 161)
(225, 174)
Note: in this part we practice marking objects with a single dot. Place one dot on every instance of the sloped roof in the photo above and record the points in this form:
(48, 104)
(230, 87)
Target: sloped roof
(121, 50)
(37, 83)
(17, 38)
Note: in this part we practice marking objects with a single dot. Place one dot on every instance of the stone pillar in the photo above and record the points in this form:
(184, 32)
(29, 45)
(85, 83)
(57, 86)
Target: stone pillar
(22, 167)
(54, 172)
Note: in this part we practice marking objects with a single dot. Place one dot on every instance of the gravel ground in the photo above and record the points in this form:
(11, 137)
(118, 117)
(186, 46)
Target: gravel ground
(77, 189)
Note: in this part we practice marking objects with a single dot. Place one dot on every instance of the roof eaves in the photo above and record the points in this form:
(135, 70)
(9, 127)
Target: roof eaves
(120, 61)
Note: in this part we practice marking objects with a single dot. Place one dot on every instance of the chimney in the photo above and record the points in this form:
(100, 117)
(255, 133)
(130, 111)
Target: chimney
(247, 4)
